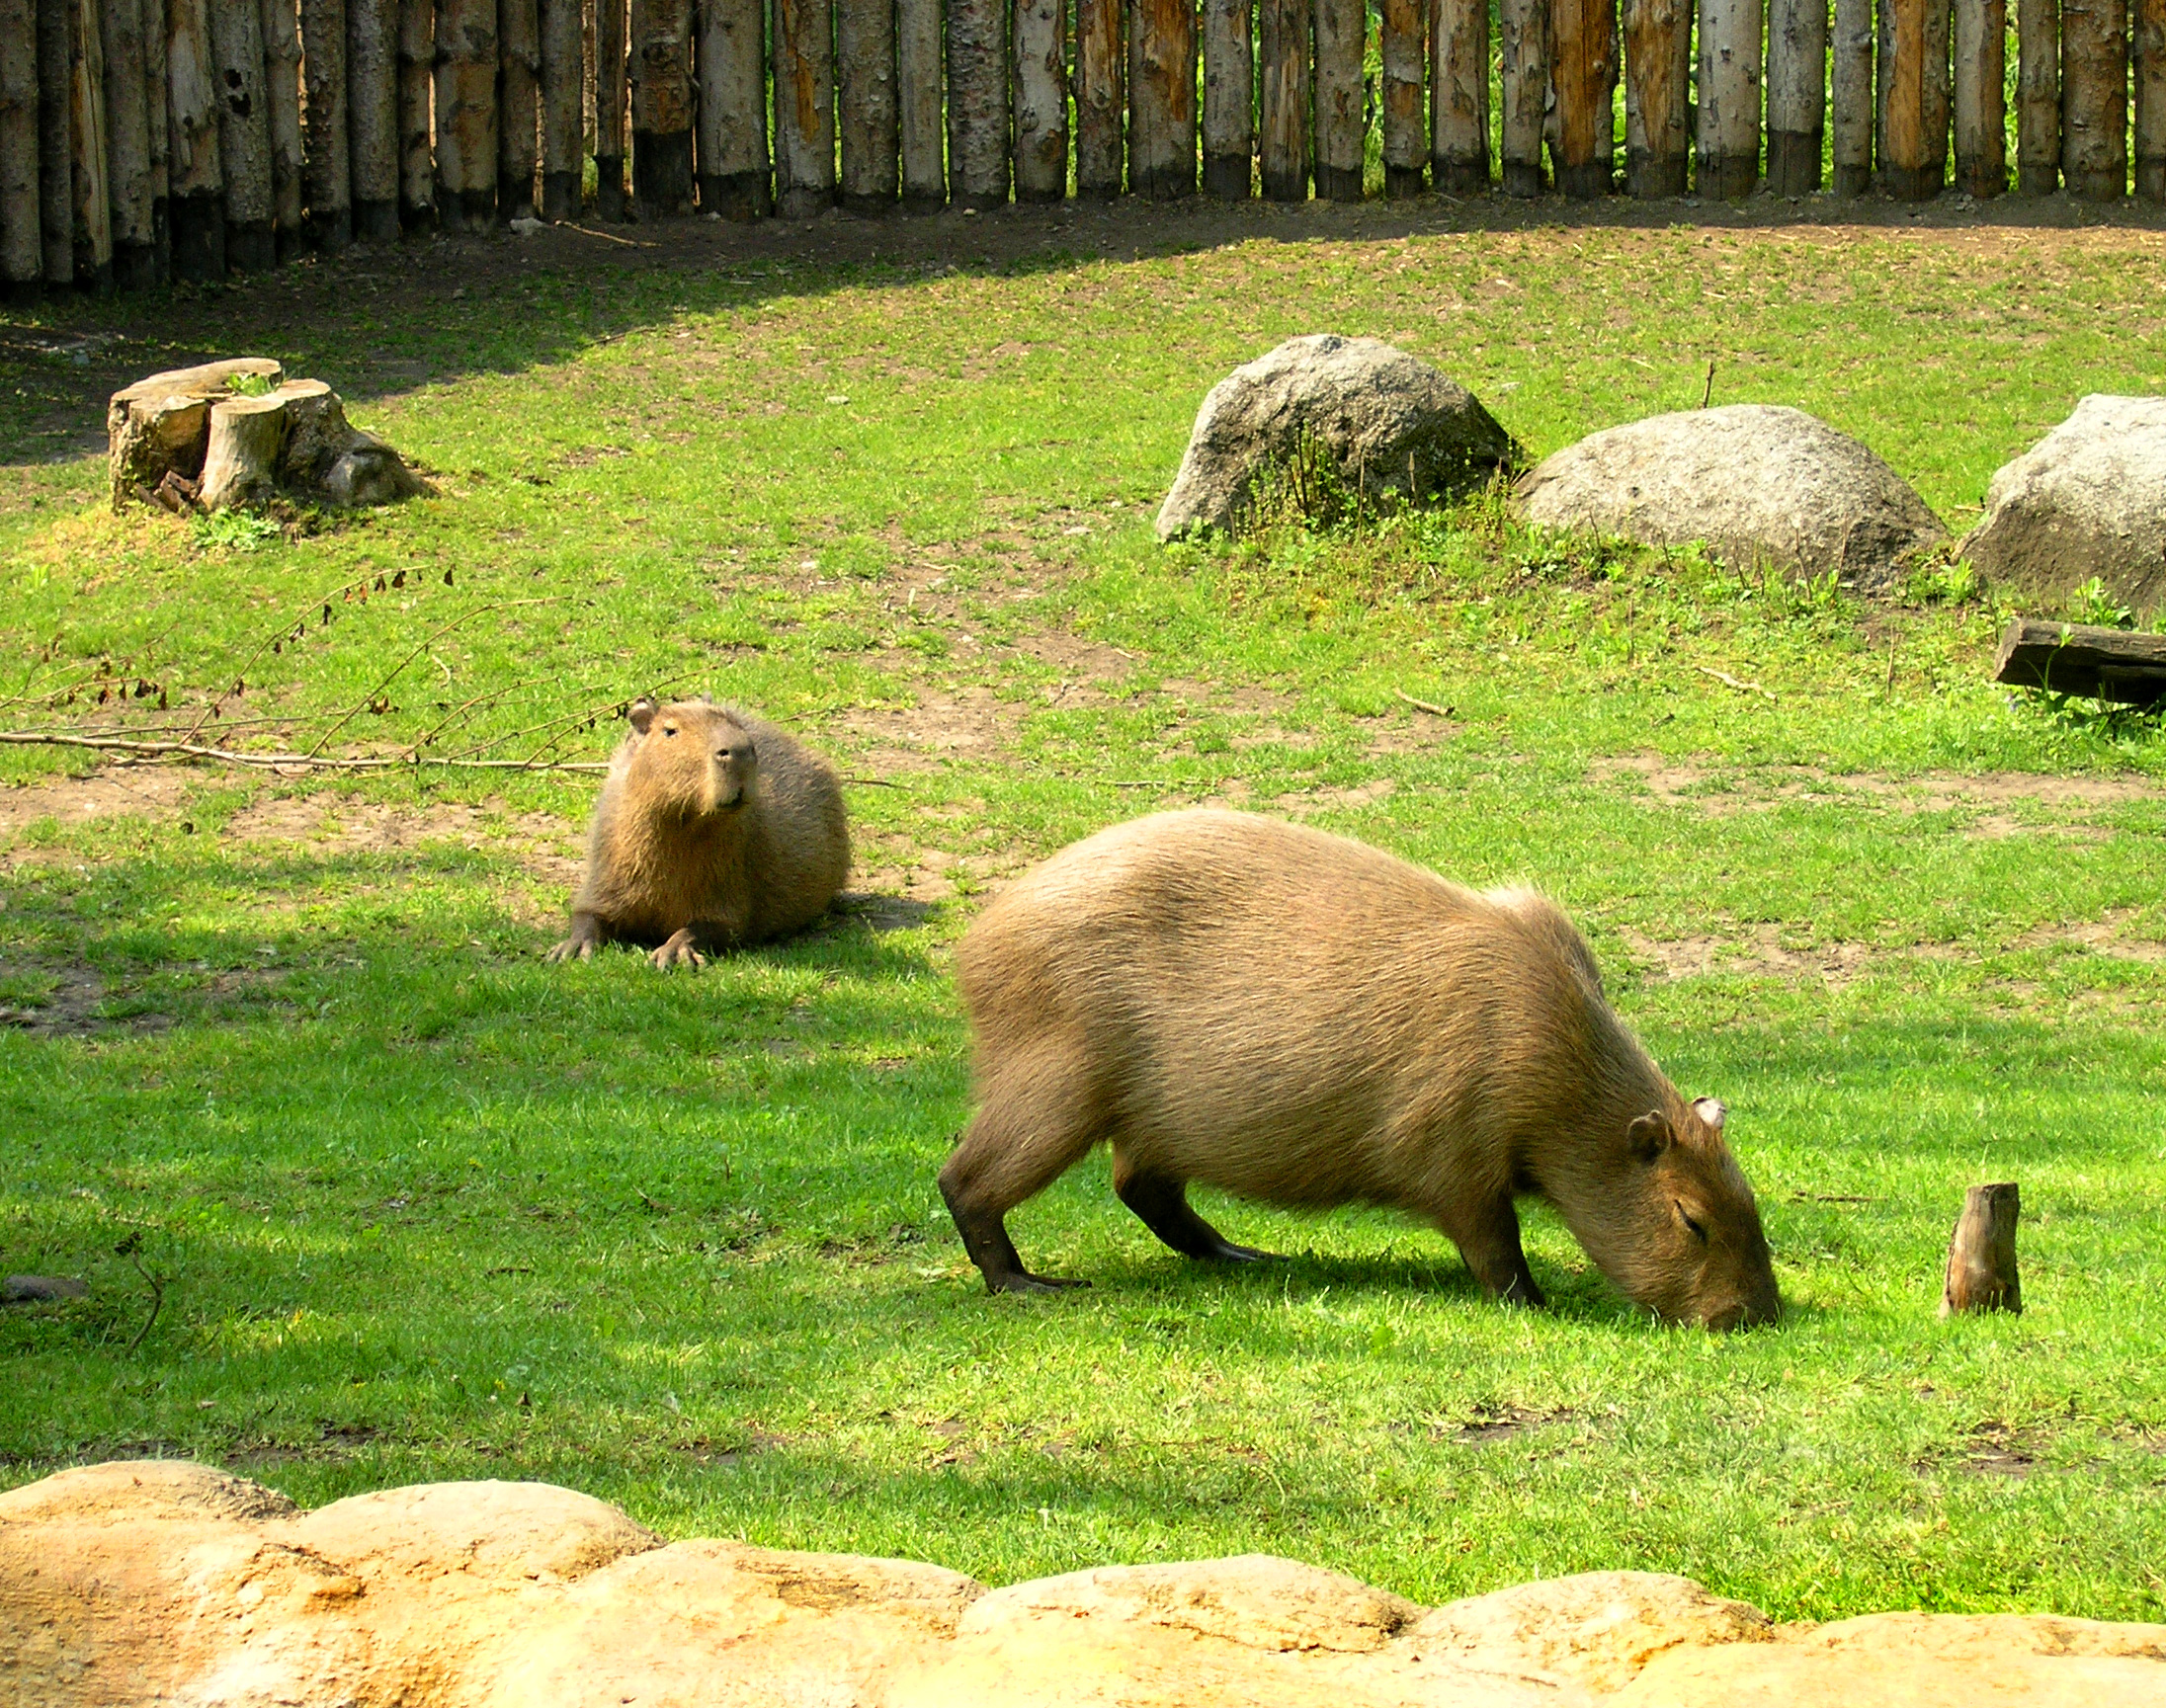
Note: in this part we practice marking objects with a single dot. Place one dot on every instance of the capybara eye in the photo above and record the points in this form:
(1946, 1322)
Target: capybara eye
(669, 729)
(1699, 1231)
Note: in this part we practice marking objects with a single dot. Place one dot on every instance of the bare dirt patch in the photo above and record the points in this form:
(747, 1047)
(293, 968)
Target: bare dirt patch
(1490, 1425)
(110, 791)
(66, 1000)
(964, 722)
(546, 846)
(2107, 935)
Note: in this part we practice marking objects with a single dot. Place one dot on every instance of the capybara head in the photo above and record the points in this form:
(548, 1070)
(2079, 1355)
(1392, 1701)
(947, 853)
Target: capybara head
(692, 758)
(1681, 1231)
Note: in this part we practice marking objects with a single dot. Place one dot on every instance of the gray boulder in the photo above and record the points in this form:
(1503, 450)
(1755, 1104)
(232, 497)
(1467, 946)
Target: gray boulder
(1383, 417)
(1756, 482)
(2089, 499)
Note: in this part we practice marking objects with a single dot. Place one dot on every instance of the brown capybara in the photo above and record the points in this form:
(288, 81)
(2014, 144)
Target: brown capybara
(1299, 1018)
(715, 829)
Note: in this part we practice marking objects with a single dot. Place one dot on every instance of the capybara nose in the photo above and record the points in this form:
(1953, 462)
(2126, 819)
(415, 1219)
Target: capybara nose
(1739, 1314)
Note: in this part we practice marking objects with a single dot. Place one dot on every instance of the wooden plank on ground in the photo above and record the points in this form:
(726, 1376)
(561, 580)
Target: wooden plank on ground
(2083, 659)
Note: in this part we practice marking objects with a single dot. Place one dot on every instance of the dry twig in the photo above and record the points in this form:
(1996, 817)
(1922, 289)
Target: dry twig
(1423, 705)
(276, 762)
(1728, 680)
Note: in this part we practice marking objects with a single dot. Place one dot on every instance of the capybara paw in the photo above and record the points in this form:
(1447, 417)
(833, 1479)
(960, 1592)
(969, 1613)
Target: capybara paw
(1230, 1253)
(1020, 1281)
(574, 949)
(677, 954)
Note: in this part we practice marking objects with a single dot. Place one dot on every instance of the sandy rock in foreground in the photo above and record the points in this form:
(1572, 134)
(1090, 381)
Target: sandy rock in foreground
(1756, 483)
(167, 1582)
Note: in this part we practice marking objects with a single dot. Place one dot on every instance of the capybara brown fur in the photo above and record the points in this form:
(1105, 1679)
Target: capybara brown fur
(713, 829)
(1299, 1018)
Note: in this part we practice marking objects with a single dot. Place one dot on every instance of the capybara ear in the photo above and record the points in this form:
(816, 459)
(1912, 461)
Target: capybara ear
(641, 714)
(1710, 1110)
(1649, 1136)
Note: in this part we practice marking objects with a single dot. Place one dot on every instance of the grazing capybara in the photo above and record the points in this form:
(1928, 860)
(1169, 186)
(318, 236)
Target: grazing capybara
(715, 829)
(1299, 1018)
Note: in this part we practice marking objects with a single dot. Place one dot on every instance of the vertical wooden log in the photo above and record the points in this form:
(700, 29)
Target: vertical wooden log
(1658, 72)
(1851, 98)
(610, 33)
(326, 164)
(1981, 96)
(561, 72)
(2038, 96)
(1981, 1254)
(416, 123)
(1401, 50)
(804, 104)
(1901, 130)
(128, 143)
(55, 148)
(1340, 25)
(519, 105)
(244, 135)
(197, 195)
(1583, 72)
(1934, 105)
(1229, 97)
(91, 181)
(1729, 96)
(465, 113)
(733, 108)
(919, 108)
(21, 254)
(159, 132)
(1040, 112)
(2147, 47)
(977, 103)
(661, 105)
(865, 97)
(1797, 85)
(1101, 97)
(2094, 113)
(1523, 72)
(281, 23)
(1458, 96)
(1282, 32)
(372, 116)
(1162, 98)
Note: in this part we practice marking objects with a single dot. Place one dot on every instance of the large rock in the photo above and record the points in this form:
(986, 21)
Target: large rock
(165, 1583)
(1385, 418)
(2089, 499)
(1756, 482)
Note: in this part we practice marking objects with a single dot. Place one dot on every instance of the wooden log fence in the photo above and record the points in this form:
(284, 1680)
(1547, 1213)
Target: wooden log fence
(147, 140)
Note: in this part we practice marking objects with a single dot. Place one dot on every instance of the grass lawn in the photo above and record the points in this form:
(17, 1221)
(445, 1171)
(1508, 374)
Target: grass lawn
(422, 1208)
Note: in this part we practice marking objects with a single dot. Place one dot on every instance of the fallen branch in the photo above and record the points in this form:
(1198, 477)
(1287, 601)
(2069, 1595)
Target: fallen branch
(1730, 681)
(370, 699)
(1423, 705)
(279, 762)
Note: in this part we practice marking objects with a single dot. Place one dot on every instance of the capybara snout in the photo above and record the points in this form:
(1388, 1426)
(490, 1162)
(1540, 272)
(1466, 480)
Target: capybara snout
(694, 756)
(1694, 1249)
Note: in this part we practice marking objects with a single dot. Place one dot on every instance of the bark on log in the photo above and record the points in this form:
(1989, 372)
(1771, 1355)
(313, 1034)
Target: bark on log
(1522, 71)
(1402, 50)
(661, 107)
(127, 132)
(732, 69)
(1229, 93)
(1981, 1254)
(242, 464)
(244, 135)
(1903, 148)
(2147, 46)
(1796, 86)
(1162, 99)
(1729, 98)
(160, 135)
(977, 102)
(864, 99)
(196, 205)
(1851, 98)
(328, 460)
(281, 23)
(519, 105)
(163, 422)
(610, 35)
(372, 115)
(1340, 25)
(561, 51)
(1282, 33)
(465, 113)
(1583, 72)
(1458, 96)
(1040, 112)
(91, 178)
(326, 159)
(804, 106)
(2077, 658)
(416, 122)
(2038, 96)
(22, 255)
(1937, 101)
(2094, 83)
(1981, 96)
(920, 109)
(1657, 73)
(55, 148)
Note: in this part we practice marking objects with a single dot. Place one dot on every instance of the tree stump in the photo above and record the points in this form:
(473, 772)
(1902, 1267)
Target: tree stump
(1981, 1254)
(164, 422)
(241, 463)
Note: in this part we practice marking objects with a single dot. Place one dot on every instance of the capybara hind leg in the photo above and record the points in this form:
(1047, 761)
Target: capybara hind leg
(1163, 1205)
(1487, 1237)
(1011, 1152)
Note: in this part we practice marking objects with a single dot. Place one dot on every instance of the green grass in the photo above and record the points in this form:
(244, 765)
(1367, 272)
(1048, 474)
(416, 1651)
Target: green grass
(422, 1208)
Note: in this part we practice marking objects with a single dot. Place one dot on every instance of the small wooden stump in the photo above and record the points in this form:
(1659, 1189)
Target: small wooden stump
(241, 466)
(163, 422)
(1981, 1254)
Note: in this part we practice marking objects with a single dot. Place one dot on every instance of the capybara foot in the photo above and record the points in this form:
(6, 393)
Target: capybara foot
(1022, 1282)
(678, 952)
(1227, 1252)
(574, 949)
(1523, 1294)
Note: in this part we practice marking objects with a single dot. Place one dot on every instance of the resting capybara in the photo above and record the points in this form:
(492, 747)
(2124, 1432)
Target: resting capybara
(713, 829)
(1299, 1018)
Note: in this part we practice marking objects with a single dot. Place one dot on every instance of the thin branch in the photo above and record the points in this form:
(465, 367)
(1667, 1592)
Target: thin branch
(279, 762)
(1424, 705)
(1728, 680)
(367, 699)
(301, 619)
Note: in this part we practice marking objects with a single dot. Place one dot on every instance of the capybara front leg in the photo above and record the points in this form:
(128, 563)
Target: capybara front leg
(1162, 1203)
(1488, 1239)
(586, 937)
